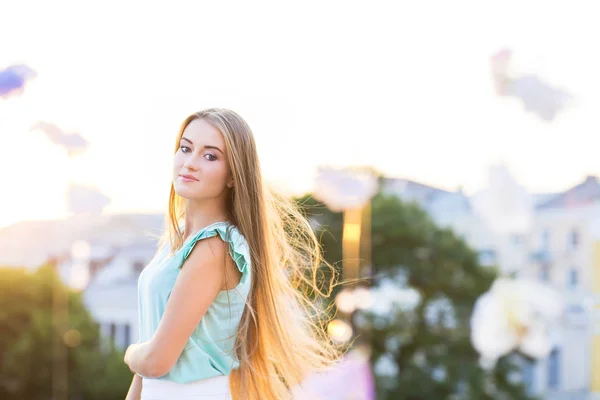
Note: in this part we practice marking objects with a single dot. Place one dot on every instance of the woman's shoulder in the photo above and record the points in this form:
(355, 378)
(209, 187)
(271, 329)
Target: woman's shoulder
(229, 233)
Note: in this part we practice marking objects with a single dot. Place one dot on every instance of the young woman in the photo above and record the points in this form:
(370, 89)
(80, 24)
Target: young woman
(223, 312)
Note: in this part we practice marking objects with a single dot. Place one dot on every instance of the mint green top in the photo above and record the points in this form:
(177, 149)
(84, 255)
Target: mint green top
(209, 351)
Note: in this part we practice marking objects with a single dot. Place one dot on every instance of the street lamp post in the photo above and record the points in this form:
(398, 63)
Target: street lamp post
(350, 191)
(77, 277)
(60, 322)
(351, 246)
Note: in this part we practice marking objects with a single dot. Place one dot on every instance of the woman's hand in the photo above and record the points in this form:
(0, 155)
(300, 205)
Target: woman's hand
(135, 390)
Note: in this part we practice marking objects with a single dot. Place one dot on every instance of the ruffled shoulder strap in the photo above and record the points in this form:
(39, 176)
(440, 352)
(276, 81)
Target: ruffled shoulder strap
(238, 247)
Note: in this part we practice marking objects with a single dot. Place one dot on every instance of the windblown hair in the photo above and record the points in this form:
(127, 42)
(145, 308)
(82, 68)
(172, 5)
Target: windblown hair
(281, 337)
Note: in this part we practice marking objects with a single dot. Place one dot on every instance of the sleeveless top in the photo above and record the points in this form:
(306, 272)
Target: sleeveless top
(209, 350)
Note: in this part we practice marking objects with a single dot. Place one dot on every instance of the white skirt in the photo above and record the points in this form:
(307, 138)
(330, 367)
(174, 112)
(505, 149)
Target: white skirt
(216, 388)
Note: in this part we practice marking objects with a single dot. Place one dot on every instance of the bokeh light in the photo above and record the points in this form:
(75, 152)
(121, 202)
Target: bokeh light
(339, 331)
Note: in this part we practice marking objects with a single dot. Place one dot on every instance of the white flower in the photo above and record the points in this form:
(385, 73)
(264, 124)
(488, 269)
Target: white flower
(515, 314)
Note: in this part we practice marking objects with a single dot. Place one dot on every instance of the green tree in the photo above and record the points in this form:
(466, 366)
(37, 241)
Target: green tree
(426, 344)
(29, 336)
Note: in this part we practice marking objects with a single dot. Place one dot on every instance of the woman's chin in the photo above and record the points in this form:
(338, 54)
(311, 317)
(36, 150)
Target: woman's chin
(184, 192)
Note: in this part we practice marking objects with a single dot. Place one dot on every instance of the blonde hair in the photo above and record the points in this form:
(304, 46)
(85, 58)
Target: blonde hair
(281, 337)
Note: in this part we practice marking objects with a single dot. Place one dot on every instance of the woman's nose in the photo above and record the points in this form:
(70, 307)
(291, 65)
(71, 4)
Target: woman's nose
(192, 162)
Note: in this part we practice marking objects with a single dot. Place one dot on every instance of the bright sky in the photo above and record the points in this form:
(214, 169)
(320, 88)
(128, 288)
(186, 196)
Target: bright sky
(404, 88)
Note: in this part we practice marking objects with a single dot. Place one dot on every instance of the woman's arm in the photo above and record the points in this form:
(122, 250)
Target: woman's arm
(197, 286)
(135, 390)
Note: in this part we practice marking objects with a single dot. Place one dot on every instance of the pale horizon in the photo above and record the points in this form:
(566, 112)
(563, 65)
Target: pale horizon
(405, 89)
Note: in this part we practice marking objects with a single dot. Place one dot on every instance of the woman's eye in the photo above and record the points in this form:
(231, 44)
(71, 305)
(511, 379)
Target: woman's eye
(210, 157)
(185, 149)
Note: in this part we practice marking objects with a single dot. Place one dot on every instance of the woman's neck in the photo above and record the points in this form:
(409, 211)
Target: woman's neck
(198, 217)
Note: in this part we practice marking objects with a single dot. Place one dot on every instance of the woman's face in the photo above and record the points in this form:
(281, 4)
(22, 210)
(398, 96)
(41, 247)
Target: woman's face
(200, 168)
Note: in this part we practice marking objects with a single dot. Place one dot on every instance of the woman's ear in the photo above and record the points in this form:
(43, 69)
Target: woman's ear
(230, 183)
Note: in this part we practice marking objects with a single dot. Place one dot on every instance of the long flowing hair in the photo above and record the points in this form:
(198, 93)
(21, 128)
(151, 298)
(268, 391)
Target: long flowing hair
(281, 337)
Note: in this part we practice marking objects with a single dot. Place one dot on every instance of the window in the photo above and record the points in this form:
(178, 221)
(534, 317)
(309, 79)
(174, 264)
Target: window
(516, 240)
(544, 274)
(487, 257)
(127, 335)
(573, 240)
(138, 266)
(113, 331)
(546, 239)
(554, 369)
(573, 279)
(576, 317)
(529, 375)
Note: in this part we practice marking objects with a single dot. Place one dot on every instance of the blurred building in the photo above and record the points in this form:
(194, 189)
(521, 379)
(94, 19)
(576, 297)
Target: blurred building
(449, 209)
(550, 237)
(109, 285)
(116, 249)
(111, 296)
(564, 240)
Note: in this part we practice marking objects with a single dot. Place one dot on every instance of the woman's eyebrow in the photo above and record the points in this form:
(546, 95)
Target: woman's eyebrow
(214, 147)
(206, 147)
